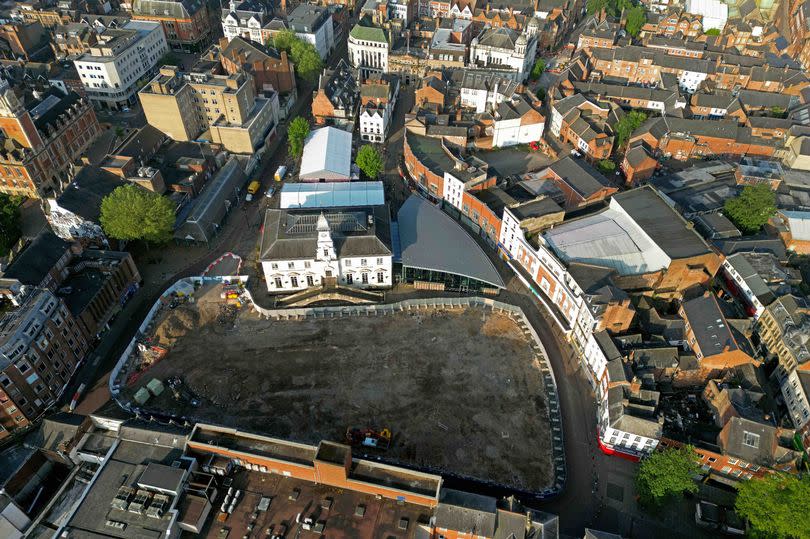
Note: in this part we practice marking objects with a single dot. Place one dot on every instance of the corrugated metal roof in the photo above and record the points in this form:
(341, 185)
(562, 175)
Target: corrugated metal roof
(609, 238)
(332, 195)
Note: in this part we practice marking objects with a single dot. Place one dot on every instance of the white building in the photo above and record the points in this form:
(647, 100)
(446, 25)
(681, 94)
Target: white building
(516, 122)
(380, 98)
(246, 20)
(110, 72)
(300, 249)
(714, 12)
(795, 388)
(504, 49)
(484, 91)
(368, 50)
(314, 24)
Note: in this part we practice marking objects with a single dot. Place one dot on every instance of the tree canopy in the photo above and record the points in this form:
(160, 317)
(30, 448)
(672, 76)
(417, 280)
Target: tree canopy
(636, 19)
(612, 7)
(606, 166)
(296, 135)
(538, 68)
(774, 505)
(667, 473)
(752, 208)
(370, 161)
(133, 213)
(713, 32)
(304, 55)
(624, 128)
(9, 222)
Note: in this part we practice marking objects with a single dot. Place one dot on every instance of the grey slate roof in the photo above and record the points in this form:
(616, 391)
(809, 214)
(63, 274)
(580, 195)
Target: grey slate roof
(580, 175)
(501, 37)
(307, 18)
(285, 239)
(84, 195)
(35, 261)
(711, 329)
(752, 278)
(749, 440)
(432, 240)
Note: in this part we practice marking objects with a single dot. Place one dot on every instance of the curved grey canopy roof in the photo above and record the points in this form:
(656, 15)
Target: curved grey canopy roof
(432, 240)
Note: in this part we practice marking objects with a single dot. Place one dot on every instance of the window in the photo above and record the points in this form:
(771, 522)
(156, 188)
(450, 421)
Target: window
(326, 253)
(294, 281)
(365, 278)
(380, 277)
(274, 265)
(291, 265)
(349, 278)
(750, 439)
(307, 264)
(310, 281)
(278, 282)
(363, 261)
(348, 262)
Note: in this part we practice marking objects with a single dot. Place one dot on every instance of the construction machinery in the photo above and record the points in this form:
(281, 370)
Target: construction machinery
(368, 437)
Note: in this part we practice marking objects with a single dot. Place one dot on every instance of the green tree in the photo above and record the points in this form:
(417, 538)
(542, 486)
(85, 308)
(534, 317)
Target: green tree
(304, 55)
(296, 135)
(636, 19)
(752, 208)
(778, 112)
(538, 68)
(713, 32)
(606, 166)
(666, 473)
(624, 128)
(370, 161)
(9, 222)
(133, 213)
(595, 6)
(774, 505)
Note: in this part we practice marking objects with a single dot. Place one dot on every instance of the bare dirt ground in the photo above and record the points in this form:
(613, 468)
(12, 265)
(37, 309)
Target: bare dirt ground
(461, 391)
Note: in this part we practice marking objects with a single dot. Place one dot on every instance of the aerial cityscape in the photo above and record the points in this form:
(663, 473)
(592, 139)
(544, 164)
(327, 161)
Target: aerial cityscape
(404, 269)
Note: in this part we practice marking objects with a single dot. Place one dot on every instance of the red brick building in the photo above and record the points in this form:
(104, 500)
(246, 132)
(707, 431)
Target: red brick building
(685, 139)
(186, 23)
(42, 140)
(269, 68)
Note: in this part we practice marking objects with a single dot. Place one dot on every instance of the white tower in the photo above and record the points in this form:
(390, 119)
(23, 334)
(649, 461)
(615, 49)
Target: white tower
(326, 247)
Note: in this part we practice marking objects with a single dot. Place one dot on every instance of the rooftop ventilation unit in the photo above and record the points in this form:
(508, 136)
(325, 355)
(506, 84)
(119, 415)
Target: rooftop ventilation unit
(122, 498)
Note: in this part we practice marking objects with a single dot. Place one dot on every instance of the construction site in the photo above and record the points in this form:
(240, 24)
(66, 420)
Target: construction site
(458, 391)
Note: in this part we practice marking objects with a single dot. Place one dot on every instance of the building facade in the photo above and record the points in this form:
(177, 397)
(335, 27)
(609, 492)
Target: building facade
(184, 105)
(304, 248)
(112, 69)
(42, 141)
(41, 345)
(368, 50)
(314, 25)
(186, 23)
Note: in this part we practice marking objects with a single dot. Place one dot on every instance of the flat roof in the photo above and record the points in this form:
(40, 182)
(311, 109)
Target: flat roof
(332, 195)
(663, 224)
(124, 468)
(254, 444)
(432, 240)
(609, 238)
(344, 513)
